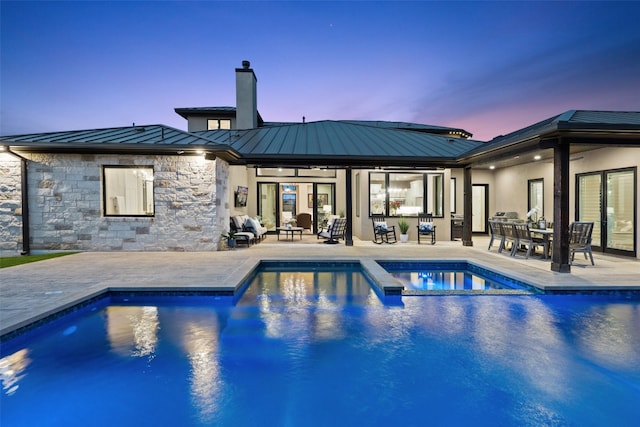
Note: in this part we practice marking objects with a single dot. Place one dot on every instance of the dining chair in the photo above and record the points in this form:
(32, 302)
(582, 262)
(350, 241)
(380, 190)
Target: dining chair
(495, 227)
(510, 236)
(523, 234)
(580, 239)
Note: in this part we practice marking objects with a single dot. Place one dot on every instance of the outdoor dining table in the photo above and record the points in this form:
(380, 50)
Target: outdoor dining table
(546, 234)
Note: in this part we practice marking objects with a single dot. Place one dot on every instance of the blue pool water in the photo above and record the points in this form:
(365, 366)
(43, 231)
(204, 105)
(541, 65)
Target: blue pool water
(452, 276)
(320, 348)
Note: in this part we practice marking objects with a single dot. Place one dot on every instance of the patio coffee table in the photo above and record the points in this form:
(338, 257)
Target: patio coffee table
(290, 230)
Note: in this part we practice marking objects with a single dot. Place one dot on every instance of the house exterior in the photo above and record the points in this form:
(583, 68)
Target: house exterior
(155, 188)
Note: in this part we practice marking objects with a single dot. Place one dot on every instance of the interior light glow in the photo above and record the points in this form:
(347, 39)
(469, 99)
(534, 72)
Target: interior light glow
(492, 167)
(537, 157)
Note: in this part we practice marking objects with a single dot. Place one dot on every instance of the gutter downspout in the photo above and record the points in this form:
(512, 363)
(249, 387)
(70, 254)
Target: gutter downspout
(24, 189)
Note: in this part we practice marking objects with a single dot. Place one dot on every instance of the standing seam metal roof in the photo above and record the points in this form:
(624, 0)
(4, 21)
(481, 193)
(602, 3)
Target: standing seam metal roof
(151, 135)
(337, 138)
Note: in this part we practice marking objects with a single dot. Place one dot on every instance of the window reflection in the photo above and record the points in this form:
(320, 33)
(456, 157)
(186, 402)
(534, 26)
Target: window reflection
(133, 331)
(200, 341)
(12, 370)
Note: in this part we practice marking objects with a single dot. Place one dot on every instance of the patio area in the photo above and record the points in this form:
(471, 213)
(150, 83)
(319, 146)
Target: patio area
(31, 292)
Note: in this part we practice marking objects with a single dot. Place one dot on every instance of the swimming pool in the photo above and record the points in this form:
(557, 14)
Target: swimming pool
(314, 347)
(452, 277)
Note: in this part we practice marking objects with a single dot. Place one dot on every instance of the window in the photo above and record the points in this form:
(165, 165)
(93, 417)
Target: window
(377, 193)
(292, 173)
(435, 191)
(128, 191)
(215, 124)
(536, 198)
(452, 195)
(406, 194)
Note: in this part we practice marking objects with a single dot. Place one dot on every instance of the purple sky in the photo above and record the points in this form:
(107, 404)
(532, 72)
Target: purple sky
(488, 67)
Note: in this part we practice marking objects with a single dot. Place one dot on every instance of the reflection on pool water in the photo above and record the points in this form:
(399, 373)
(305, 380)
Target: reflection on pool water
(315, 347)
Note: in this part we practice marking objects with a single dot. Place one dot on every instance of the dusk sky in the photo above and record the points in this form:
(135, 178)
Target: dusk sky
(488, 67)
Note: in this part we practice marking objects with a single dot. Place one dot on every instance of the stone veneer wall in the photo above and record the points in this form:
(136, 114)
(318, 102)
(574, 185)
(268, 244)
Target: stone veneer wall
(10, 203)
(66, 212)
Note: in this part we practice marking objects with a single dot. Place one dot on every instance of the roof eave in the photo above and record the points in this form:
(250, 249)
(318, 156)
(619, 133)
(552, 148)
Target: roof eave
(223, 152)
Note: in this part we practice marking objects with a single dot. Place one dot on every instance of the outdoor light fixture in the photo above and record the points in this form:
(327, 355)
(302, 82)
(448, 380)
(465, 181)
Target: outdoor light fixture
(537, 157)
(492, 167)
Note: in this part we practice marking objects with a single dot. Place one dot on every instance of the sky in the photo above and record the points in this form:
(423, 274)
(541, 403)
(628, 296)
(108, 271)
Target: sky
(487, 67)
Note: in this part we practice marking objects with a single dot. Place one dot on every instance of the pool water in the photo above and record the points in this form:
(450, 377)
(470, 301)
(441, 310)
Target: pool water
(318, 348)
(454, 276)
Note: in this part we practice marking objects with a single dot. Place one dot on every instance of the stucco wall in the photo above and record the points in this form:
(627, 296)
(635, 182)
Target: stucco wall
(66, 212)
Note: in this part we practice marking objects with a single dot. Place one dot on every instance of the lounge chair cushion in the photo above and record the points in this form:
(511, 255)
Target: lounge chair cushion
(381, 227)
(253, 226)
(426, 227)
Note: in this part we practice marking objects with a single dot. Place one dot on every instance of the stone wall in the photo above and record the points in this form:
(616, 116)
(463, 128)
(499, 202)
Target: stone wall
(10, 203)
(67, 213)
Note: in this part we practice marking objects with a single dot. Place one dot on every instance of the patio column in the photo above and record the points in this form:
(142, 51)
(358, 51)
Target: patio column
(468, 212)
(348, 237)
(560, 256)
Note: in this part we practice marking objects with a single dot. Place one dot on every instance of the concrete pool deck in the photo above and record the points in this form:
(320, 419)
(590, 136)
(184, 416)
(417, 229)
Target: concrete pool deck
(31, 292)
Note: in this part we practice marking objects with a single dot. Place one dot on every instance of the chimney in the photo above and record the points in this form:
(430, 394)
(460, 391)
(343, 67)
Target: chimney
(246, 97)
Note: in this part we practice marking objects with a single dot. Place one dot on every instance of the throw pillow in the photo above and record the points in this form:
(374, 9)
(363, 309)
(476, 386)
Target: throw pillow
(250, 225)
(426, 227)
(381, 227)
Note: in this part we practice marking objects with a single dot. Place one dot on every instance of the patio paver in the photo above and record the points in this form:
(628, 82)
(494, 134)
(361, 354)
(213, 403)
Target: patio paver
(30, 292)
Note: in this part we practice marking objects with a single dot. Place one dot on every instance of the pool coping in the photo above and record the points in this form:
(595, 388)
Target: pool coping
(31, 292)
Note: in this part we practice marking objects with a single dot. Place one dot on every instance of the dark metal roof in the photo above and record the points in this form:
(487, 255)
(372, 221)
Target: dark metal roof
(419, 127)
(152, 138)
(577, 120)
(344, 143)
(574, 127)
(341, 143)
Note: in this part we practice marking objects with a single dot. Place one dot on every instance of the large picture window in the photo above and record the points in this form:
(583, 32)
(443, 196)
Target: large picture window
(406, 194)
(128, 191)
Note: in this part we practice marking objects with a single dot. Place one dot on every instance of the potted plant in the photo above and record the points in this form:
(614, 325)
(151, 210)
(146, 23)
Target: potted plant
(403, 225)
(230, 237)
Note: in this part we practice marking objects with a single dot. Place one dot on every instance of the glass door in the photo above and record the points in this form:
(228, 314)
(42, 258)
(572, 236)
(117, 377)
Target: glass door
(479, 207)
(289, 203)
(621, 206)
(608, 199)
(324, 200)
(267, 204)
(590, 204)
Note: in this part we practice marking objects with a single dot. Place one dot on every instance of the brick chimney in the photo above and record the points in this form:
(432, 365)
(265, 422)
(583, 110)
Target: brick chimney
(246, 97)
